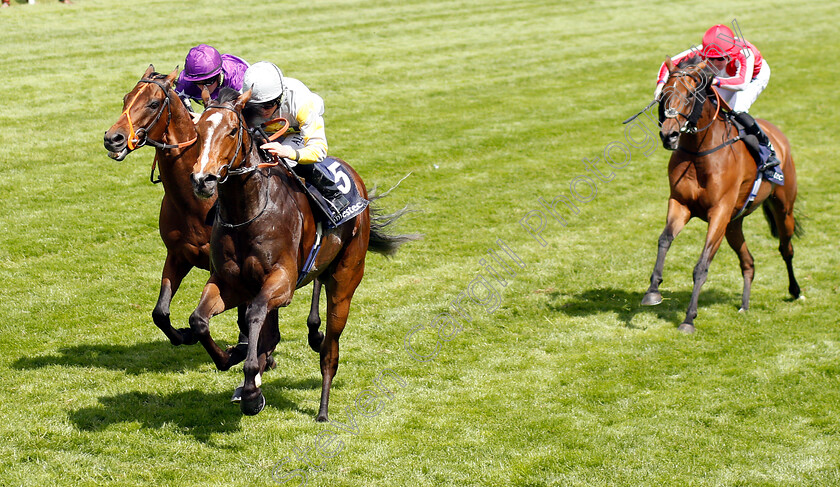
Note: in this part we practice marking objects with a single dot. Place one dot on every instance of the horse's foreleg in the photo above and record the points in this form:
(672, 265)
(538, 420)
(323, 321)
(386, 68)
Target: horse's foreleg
(276, 292)
(678, 216)
(174, 270)
(213, 301)
(735, 238)
(718, 220)
(313, 322)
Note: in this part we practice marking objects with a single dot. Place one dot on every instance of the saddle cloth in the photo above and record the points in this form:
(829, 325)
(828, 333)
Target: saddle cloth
(346, 201)
(759, 153)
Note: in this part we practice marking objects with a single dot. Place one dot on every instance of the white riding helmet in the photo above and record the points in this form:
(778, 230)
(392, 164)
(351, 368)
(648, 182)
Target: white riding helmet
(265, 81)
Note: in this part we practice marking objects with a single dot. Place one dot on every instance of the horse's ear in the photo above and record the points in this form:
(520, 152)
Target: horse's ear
(669, 63)
(170, 79)
(205, 95)
(243, 99)
(149, 71)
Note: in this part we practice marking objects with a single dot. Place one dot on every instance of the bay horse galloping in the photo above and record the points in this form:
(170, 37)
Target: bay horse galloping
(154, 115)
(262, 240)
(712, 175)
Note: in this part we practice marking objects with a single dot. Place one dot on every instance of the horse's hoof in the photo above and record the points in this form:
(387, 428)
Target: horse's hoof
(270, 363)
(322, 418)
(237, 395)
(687, 328)
(252, 408)
(651, 299)
(743, 310)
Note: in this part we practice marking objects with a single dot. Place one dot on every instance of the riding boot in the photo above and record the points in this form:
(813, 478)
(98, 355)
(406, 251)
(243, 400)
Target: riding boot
(766, 152)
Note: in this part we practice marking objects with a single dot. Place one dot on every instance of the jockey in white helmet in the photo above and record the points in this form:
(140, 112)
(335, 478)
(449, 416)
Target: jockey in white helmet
(276, 96)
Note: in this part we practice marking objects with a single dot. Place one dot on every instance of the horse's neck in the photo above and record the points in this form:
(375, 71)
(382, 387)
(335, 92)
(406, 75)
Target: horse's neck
(713, 131)
(242, 196)
(175, 165)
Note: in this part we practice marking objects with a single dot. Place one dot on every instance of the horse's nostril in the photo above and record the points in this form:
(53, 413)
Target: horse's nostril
(114, 139)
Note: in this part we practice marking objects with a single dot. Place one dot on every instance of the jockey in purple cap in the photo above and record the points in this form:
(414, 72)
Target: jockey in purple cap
(204, 66)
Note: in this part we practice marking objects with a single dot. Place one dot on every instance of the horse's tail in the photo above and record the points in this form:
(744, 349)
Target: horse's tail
(381, 241)
(798, 230)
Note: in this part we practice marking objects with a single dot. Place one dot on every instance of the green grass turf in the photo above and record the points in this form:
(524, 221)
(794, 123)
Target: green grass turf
(490, 105)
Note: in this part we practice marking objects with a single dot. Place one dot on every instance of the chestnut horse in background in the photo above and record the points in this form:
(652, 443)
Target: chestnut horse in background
(262, 238)
(711, 174)
(154, 115)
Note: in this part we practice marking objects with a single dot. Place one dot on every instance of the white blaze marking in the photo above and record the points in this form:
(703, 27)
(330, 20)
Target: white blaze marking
(214, 120)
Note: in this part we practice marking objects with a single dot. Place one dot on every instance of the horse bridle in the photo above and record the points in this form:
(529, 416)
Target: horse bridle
(239, 139)
(241, 169)
(691, 118)
(143, 131)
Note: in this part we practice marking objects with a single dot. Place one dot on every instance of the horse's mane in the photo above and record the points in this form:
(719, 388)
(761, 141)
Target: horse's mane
(157, 76)
(227, 94)
(708, 72)
(690, 61)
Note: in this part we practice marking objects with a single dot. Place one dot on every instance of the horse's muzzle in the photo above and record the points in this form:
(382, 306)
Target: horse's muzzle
(204, 185)
(117, 145)
(670, 140)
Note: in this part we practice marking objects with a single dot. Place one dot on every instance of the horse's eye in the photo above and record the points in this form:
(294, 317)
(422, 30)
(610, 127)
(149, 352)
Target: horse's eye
(154, 104)
(232, 132)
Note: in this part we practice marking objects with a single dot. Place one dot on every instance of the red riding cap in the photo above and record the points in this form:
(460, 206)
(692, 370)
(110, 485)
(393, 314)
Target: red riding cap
(719, 41)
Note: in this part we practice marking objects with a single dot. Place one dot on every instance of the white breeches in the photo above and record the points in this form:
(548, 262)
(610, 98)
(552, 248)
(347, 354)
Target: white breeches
(741, 101)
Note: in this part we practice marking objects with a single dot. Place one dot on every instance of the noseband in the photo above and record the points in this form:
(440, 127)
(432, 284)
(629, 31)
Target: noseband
(141, 134)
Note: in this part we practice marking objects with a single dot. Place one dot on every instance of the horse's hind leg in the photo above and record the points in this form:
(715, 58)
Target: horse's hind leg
(340, 288)
(174, 270)
(678, 216)
(786, 225)
(313, 322)
(735, 238)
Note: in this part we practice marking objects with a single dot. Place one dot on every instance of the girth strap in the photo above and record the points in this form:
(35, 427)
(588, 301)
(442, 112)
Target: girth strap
(707, 152)
(313, 254)
(751, 197)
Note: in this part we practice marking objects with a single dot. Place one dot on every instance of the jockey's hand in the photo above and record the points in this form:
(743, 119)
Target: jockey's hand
(279, 150)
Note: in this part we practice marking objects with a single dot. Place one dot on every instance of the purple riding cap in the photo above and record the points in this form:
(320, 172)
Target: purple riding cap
(204, 62)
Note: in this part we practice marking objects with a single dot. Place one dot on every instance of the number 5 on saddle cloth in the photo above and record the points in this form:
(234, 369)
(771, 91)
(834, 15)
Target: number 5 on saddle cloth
(332, 190)
(327, 183)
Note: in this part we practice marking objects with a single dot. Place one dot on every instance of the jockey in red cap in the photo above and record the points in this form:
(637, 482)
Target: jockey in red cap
(742, 74)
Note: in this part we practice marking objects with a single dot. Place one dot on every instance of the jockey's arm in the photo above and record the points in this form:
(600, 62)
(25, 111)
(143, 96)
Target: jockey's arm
(662, 76)
(743, 74)
(314, 138)
(311, 122)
